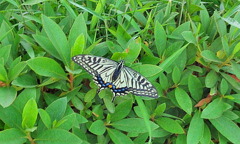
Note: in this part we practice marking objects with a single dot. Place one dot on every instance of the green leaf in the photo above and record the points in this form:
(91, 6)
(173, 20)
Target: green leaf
(183, 100)
(57, 109)
(195, 87)
(159, 132)
(118, 137)
(76, 32)
(160, 38)
(4, 53)
(45, 118)
(99, 9)
(206, 135)
(29, 115)
(33, 2)
(46, 44)
(97, 127)
(47, 67)
(181, 139)
(70, 10)
(16, 70)
(87, 10)
(189, 37)
(90, 95)
(227, 128)
(223, 87)
(210, 56)
(236, 49)
(3, 74)
(108, 100)
(78, 46)
(232, 81)
(211, 79)
(136, 125)
(215, 109)
(160, 109)
(121, 111)
(177, 33)
(7, 96)
(176, 75)
(236, 68)
(164, 81)
(147, 70)
(144, 113)
(12, 136)
(170, 60)
(57, 38)
(57, 136)
(221, 25)
(141, 139)
(134, 49)
(196, 129)
(194, 8)
(68, 121)
(81, 119)
(170, 125)
(122, 36)
(26, 81)
(77, 103)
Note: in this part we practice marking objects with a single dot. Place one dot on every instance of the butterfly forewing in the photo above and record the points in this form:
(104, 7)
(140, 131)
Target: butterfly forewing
(96, 65)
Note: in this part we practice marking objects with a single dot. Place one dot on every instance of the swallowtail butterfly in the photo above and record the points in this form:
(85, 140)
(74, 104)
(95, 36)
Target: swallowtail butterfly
(115, 76)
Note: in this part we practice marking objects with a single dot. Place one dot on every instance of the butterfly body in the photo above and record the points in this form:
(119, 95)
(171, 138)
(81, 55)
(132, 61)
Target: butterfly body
(120, 79)
(117, 70)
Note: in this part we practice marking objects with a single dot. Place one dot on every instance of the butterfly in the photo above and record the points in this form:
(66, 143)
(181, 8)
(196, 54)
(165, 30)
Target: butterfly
(120, 79)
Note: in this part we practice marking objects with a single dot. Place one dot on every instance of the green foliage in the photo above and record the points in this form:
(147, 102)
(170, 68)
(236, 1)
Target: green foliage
(189, 50)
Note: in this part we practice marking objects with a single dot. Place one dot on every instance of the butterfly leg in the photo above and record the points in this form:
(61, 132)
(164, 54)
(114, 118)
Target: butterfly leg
(101, 88)
(114, 96)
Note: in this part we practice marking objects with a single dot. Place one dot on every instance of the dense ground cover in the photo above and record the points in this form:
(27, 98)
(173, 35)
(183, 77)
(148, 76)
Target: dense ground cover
(188, 49)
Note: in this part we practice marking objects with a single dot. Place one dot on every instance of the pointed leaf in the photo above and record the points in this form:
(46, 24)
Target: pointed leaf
(160, 38)
(121, 111)
(170, 125)
(57, 136)
(57, 109)
(58, 39)
(12, 136)
(29, 115)
(118, 137)
(227, 128)
(47, 67)
(136, 125)
(183, 100)
(196, 129)
(215, 109)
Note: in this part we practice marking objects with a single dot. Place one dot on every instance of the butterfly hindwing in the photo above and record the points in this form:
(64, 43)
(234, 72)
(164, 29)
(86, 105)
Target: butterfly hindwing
(135, 83)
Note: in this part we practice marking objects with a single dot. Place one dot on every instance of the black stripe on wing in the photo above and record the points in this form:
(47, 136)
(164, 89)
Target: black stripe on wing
(139, 85)
(93, 64)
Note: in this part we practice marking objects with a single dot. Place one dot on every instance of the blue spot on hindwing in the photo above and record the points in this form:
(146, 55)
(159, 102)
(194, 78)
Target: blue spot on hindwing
(110, 85)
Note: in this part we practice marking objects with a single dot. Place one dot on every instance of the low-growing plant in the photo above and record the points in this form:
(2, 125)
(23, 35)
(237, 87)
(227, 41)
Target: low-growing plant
(189, 50)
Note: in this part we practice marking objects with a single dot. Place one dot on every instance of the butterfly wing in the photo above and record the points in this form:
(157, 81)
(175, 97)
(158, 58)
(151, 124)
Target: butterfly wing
(135, 84)
(101, 68)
